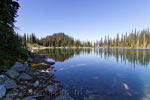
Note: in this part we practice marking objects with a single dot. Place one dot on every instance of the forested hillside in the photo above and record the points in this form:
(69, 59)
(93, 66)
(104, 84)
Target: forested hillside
(55, 40)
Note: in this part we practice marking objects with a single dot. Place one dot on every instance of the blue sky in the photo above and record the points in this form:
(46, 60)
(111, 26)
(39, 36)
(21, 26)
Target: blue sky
(82, 19)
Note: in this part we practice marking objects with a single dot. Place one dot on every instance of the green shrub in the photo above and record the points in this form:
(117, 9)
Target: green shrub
(7, 60)
(23, 53)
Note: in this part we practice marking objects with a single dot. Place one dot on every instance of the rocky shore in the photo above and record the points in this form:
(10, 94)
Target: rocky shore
(31, 80)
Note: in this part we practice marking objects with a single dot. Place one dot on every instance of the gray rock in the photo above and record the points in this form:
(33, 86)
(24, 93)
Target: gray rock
(2, 91)
(36, 73)
(50, 89)
(21, 87)
(96, 97)
(42, 85)
(36, 83)
(30, 91)
(9, 83)
(24, 77)
(28, 98)
(12, 73)
(29, 72)
(2, 80)
(7, 99)
(63, 98)
(20, 67)
(29, 84)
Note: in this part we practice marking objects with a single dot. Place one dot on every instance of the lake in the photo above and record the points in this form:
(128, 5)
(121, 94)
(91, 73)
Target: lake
(102, 74)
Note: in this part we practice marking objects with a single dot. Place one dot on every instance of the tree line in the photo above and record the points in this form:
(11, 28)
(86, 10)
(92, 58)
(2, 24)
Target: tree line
(55, 40)
(134, 39)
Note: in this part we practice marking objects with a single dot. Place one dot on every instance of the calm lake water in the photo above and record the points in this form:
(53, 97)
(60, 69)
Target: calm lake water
(102, 74)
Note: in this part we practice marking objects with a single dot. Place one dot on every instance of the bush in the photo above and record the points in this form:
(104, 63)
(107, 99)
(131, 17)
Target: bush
(7, 60)
(23, 53)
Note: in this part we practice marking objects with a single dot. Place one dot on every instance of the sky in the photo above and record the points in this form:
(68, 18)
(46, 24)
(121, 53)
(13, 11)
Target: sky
(82, 19)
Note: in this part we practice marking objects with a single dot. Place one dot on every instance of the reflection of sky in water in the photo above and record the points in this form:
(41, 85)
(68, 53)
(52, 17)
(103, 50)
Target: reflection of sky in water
(104, 77)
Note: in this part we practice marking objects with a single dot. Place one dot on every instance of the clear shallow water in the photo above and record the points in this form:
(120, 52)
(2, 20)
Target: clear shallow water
(103, 74)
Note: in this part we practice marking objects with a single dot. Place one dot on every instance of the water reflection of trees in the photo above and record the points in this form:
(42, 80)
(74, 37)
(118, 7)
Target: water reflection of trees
(60, 54)
(132, 56)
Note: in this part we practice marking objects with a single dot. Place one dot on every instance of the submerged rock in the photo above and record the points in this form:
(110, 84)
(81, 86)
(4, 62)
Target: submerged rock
(146, 99)
(63, 98)
(95, 97)
(28, 98)
(88, 92)
(12, 73)
(50, 89)
(2, 91)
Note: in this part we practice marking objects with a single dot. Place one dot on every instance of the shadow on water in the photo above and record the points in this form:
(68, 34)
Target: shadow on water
(105, 84)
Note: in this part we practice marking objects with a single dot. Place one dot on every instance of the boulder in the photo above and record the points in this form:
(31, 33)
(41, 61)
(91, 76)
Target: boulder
(2, 91)
(20, 67)
(63, 98)
(24, 77)
(28, 98)
(8, 83)
(12, 73)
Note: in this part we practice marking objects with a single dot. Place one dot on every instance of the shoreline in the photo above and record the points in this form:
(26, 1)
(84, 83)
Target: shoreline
(30, 80)
(41, 48)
